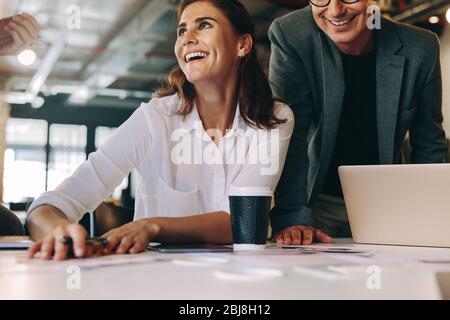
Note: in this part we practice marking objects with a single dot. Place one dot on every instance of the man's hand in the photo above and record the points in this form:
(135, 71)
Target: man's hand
(298, 235)
(17, 33)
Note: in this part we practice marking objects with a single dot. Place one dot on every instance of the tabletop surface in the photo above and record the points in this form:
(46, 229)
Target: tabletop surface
(379, 272)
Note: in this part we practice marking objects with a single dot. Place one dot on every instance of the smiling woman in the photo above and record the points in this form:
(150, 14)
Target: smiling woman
(215, 42)
(220, 100)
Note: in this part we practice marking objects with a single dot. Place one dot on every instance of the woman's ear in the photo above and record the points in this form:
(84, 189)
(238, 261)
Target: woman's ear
(245, 45)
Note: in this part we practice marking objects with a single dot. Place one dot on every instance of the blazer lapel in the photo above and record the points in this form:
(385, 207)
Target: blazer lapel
(389, 70)
(333, 95)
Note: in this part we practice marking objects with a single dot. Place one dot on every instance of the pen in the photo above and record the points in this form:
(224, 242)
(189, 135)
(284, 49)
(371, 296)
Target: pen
(94, 240)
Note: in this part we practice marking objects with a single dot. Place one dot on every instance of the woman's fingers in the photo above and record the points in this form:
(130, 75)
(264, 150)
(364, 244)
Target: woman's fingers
(47, 248)
(78, 235)
(61, 249)
(113, 242)
(35, 248)
(125, 244)
(139, 246)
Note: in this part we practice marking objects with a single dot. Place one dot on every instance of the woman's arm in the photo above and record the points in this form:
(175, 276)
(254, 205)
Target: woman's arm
(133, 237)
(43, 220)
(49, 225)
(55, 213)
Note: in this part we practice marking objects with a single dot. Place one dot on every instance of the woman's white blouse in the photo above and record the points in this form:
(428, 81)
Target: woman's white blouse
(181, 170)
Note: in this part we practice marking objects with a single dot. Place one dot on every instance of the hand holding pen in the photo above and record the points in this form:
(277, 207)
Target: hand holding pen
(67, 240)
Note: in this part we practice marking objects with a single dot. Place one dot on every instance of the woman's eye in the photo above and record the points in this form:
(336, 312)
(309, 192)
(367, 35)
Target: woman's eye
(181, 32)
(204, 25)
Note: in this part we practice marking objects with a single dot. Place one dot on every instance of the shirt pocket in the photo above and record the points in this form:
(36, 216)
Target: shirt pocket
(174, 203)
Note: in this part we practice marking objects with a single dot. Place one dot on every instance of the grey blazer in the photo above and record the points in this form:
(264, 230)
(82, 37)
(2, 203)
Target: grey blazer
(306, 71)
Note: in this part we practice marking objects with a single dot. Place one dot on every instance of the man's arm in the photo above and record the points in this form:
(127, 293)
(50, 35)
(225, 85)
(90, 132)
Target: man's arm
(428, 141)
(289, 82)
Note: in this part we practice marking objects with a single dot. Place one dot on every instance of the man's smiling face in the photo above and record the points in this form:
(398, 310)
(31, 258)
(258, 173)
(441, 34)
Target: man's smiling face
(343, 23)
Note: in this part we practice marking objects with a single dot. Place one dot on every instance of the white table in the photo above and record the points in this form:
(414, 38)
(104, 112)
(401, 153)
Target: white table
(401, 277)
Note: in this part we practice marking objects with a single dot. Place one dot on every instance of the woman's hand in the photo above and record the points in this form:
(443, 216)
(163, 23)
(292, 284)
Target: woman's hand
(132, 237)
(297, 235)
(17, 33)
(53, 247)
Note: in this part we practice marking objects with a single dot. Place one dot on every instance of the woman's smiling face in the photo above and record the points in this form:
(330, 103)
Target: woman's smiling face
(207, 46)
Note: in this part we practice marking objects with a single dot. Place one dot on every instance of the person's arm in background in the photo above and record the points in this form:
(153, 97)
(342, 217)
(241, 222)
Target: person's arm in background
(427, 137)
(292, 221)
(17, 33)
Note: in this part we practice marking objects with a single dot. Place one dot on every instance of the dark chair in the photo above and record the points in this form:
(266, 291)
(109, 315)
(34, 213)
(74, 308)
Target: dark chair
(10, 224)
(109, 216)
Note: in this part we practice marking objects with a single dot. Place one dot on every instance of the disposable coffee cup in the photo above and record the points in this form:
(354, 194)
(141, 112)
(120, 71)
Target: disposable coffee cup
(249, 208)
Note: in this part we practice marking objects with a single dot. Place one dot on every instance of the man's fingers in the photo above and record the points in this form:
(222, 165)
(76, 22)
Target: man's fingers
(287, 238)
(307, 235)
(279, 238)
(323, 237)
(296, 235)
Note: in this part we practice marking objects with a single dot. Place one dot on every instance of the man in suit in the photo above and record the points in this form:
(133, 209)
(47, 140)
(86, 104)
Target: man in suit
(356, 93)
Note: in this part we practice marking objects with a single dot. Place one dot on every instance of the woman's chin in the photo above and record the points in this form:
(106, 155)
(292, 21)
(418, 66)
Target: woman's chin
(197, 79)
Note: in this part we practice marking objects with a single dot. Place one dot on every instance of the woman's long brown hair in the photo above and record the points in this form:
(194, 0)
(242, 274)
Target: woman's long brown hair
(255, 96)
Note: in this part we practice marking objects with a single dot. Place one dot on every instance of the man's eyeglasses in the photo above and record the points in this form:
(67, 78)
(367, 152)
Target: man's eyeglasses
(324, 3)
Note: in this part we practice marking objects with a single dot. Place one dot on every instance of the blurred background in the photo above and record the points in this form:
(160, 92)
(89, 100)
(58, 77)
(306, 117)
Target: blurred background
(93, 65)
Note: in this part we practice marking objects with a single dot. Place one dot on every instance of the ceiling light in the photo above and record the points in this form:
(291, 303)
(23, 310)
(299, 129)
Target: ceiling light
(27, 57)
(434, 19)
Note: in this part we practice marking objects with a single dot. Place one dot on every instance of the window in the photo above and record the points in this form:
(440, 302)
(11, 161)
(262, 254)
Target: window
(24, 166)
(67, 152)
(101, 135)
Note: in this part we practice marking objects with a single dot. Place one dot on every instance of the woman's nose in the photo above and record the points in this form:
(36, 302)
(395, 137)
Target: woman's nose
(189, 38)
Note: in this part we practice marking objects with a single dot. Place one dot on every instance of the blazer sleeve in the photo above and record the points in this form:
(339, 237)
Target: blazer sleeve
(427, 137)
(289, 82)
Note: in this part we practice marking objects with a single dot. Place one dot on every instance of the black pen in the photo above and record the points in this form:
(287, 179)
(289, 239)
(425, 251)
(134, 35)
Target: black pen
(93, 240)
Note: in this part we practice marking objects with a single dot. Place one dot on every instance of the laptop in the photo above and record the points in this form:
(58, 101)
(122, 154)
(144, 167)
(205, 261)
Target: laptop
(189, 248)
(398, 204)
(15, 242)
